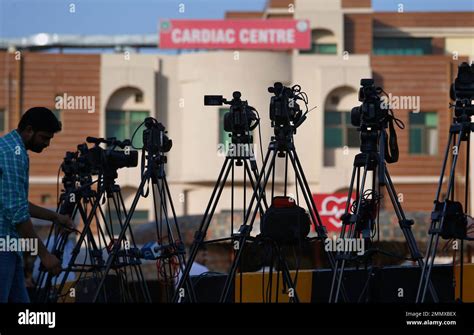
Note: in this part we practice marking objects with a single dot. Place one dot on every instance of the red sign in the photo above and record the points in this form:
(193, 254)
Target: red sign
(235, 34)
(331, 207)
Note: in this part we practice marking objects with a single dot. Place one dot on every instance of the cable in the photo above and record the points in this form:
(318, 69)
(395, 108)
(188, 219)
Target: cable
(133, 136)
(260, 139)
(57, 185)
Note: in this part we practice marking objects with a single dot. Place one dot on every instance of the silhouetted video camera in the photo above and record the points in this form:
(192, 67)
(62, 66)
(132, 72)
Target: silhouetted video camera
(370, 113)
(462, 90)
(155, 140)
(284, 110)
(103, 160)
(241, 118)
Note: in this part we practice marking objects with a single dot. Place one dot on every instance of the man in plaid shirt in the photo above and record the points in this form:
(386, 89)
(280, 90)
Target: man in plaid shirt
(35, 130)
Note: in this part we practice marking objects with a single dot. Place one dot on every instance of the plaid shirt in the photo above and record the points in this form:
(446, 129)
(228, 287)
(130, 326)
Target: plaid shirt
(14, 174)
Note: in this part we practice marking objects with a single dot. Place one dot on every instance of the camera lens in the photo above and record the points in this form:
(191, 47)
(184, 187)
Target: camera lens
(355, 116)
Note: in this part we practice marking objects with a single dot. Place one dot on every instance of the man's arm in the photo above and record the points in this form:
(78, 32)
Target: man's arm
(42, 213)
(46, 214)
(50, 262)
(16, 206)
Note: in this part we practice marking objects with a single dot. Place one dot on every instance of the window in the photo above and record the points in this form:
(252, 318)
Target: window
(3, 120)
(338, 131)
(121, 124)
(322, 49)
(402, 46)
(224, 137)
(423, 133)
(323, 42)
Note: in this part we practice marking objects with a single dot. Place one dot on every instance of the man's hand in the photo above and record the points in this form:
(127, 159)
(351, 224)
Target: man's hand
(51, 263)
(64, 223)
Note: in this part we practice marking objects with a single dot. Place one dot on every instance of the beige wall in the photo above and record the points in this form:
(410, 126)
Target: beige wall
(174, 86)
(194, 160)
(319, 75)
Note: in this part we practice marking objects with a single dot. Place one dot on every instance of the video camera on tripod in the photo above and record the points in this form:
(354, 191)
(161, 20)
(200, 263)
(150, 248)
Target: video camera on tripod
(155, 140)
(462, 91)
(371, 117)
(284, 110)
(103, 160)
(449, 216)
(370, 114)
(241, 118)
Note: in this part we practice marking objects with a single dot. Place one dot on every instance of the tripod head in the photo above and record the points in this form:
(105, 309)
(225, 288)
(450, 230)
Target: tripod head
(462, 92)
(241, 118)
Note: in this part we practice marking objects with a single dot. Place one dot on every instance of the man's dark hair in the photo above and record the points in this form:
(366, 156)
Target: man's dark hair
(40, 119)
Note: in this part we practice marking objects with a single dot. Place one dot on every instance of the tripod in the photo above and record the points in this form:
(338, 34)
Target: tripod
(155, 145)
(245, 159)
(109, 191)
(362, 220)
(460, 131)
(71, 202)
(283, 146)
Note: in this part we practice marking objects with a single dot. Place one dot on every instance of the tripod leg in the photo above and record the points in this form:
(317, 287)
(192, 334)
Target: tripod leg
(77, 248)
(162, 262)
(316, 219)
(256, 175)
(43, 285)
(343, 232)
(426, 274)
(248, 227)
(466, 206)
(138, 270)
(117, 244)
(205, 222)
(162, 190)
(287, 277)
(405, 226)
(352, 228)
(254, 187)
(433, 223)
(182, 258)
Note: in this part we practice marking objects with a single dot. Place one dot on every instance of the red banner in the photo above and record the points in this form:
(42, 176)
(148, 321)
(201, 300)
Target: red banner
(331, 207)
(235, 34)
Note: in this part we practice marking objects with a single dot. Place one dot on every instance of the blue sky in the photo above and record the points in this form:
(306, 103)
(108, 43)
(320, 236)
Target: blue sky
(27, 17)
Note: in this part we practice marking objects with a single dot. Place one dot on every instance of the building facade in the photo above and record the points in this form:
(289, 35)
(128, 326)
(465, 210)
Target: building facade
(413, 55)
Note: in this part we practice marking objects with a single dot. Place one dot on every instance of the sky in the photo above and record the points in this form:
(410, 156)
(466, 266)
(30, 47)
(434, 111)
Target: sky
(20, 18)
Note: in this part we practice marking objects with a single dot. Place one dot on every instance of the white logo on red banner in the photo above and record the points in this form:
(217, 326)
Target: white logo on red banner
(331, 207)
